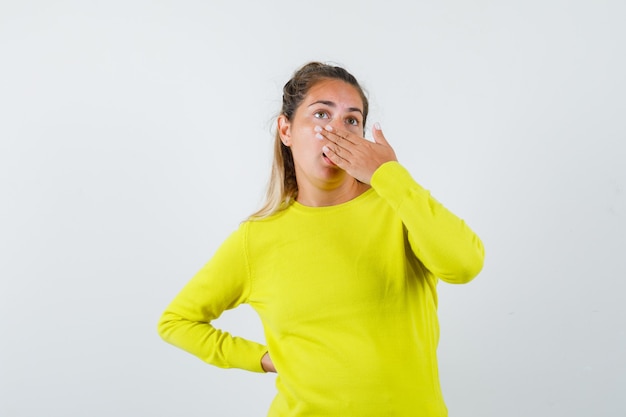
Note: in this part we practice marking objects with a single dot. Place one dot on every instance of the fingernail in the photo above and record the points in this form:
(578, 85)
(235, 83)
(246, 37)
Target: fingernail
(329, 128)
(377, 126)
(319, 136)
(317, 129)
(325, 148)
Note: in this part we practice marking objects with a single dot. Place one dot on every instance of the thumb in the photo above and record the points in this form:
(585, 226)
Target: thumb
(378, 136)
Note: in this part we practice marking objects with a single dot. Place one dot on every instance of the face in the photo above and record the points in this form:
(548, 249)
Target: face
(333, 102)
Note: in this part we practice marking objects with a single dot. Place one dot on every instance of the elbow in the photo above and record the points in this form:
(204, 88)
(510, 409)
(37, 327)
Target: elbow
(463, 275)
(165, 324)
(473, 261)
(162, 326)
(474, 264)
(467, 267)
(470, 271)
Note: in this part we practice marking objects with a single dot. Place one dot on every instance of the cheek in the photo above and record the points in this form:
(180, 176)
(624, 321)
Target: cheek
(306, 144)
(318, 122)
(357, 130)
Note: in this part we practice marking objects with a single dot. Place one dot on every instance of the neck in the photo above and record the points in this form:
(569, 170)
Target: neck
(318, 197)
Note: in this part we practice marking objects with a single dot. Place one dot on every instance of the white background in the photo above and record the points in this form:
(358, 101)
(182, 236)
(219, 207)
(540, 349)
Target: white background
(136, 135)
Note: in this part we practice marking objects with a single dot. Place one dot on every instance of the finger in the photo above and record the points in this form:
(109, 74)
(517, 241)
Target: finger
(377, 133)
(341, 151)
(333, 137)
(333, 153)
(337, 135)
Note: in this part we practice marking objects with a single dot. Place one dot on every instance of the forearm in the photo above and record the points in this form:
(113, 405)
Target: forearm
(442, 242)
(212, 345)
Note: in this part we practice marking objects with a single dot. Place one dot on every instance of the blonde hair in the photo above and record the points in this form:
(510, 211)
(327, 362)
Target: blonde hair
(282, 189)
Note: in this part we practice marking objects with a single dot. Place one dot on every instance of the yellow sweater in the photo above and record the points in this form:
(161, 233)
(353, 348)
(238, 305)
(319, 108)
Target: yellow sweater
(347, 297)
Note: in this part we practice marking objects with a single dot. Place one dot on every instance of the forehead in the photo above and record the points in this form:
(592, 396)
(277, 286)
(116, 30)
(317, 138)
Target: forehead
(338, 91)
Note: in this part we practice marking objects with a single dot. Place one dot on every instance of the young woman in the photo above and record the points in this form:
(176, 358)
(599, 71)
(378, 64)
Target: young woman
(341, 264)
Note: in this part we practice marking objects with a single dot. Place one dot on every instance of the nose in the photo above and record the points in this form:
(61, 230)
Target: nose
(335, 123)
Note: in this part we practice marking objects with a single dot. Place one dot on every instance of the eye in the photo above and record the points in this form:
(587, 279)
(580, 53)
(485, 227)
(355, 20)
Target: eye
(352, 121)
(321, 114)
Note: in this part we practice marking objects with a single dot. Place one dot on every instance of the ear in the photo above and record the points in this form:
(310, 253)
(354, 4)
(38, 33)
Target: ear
(284, 129)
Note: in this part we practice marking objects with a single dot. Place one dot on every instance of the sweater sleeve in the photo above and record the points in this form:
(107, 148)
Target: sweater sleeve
(442, 242)
(223, 283)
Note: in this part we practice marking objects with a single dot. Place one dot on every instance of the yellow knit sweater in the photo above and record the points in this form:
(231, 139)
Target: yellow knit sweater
(347, 297)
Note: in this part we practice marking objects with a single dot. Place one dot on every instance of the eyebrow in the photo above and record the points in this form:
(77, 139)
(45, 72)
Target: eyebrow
(332, 104)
